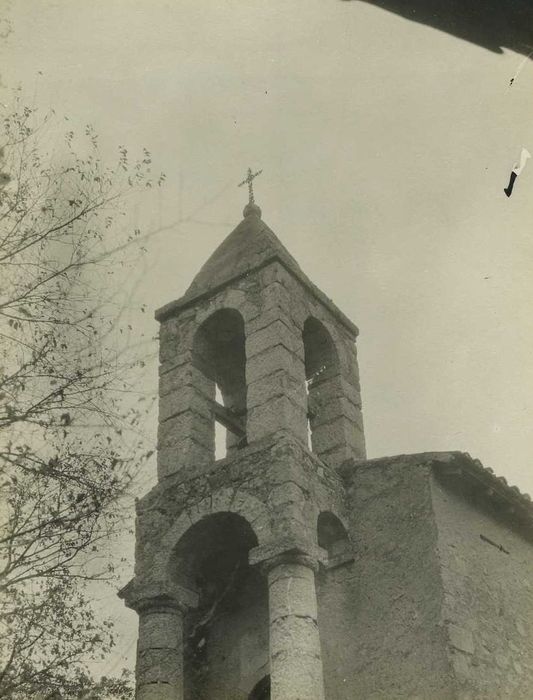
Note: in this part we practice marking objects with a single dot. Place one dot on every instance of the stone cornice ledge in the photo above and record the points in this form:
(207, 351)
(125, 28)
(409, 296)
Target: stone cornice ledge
(142, 595)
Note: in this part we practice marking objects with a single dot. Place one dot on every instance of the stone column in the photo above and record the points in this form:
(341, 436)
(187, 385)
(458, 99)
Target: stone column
(295, 656)
(161, 609)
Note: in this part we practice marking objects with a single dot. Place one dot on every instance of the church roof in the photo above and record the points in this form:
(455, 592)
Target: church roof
(470, 473)
(250, 246)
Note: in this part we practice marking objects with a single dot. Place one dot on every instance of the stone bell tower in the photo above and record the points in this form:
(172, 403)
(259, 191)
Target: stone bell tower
(228, 550)
(293, 568)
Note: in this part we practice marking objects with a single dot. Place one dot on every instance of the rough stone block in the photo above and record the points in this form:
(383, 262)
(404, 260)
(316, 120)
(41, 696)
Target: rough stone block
(280, 383)
(274, 359)
(283, 470)
(276, 294)
(275, 272)
(460, 665)
(328, 412)
(293, 523)
(286, 493)
(175, 335)
(338, 455)
(174, 360)
(278, 414)
(188, 399)
(230, 298)
(337, 433)
(187, 454)
(262, 526)
(200, 510)
(184, 426)
(461, 638)
(180, 377)
(268, 316)
(277, 333)
(336, 386)
(221, 500)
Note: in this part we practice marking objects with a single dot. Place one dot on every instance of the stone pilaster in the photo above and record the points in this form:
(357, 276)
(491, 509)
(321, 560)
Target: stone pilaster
(161, 609)
(336, 420)
(275, 372)
(295, 656)
(186, 435)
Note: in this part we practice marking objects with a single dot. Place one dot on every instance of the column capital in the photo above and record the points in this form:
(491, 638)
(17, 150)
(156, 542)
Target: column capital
(143, 596)
(287, 551)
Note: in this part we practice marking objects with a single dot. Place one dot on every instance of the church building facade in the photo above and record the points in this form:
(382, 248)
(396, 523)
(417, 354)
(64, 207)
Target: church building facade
(294, 568)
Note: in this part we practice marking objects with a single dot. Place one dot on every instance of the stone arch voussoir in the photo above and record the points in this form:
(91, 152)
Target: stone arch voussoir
(225, 500)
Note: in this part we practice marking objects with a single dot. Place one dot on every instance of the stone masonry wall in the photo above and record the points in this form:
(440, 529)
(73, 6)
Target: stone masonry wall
(393, 624)
(488, 602)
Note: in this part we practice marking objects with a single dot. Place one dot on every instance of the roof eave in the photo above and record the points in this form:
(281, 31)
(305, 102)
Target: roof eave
(462, 467)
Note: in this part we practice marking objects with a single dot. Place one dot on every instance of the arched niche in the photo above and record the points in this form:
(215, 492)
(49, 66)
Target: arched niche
(219, 356)
(228, 632)
(333, 537)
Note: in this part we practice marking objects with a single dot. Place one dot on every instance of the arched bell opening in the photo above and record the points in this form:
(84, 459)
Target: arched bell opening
(321, 371)
(219, 355)
(227, 635)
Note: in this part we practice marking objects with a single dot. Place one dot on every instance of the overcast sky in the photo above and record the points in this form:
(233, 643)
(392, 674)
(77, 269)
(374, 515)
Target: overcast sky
(385, 147)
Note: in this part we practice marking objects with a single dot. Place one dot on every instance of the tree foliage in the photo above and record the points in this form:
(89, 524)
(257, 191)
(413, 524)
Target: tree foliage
(69, 429)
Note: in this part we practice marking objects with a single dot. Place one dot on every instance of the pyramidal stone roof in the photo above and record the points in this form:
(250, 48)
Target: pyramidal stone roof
(250, 246)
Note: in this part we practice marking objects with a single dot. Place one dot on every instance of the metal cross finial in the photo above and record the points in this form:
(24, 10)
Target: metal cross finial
(249, 180)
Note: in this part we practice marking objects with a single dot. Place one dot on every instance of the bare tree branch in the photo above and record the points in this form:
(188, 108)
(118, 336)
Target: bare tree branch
(66, 378)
